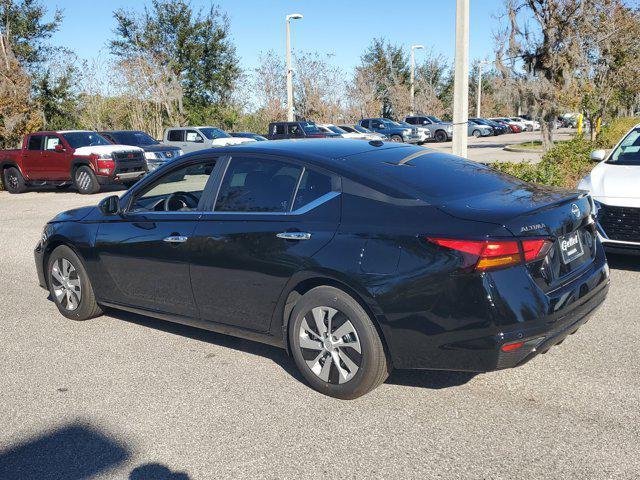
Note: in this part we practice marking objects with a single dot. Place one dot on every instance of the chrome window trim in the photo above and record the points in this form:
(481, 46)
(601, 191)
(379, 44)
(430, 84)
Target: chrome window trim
(300, 211)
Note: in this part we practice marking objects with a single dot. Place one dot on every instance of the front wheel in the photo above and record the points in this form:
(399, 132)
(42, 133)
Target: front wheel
(396, 138)
(86, 181)
(69, 285)
(14, 181)
(477, 134)
(335, 344)
(441, 136)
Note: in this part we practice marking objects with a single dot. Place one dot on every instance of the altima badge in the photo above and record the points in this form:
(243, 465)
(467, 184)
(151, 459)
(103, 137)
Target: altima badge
(575, 210)
(530, 228)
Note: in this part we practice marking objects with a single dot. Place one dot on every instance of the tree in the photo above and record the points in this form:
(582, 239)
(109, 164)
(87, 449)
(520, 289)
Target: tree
(362, 94)
(612, 68)
(24, 28)
(388, 66)
(55, 91)
(318, 88)
(193, 46)
(431, 77)
(543, 42)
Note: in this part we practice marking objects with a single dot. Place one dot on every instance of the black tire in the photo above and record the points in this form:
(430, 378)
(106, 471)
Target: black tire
(85, 181)
(477, 133)
(86, 307)
(348, 316)
(396, 138)
(13, 180)
(441, 136)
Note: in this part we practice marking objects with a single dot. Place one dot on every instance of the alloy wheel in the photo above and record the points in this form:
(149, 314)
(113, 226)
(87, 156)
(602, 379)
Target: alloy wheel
(66, 284)
(12, 179)
(330, 345)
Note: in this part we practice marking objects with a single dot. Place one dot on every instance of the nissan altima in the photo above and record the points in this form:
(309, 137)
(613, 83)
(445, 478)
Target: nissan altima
(356, 257)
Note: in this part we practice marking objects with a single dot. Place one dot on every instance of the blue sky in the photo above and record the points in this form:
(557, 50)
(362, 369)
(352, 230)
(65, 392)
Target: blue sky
(342, 28)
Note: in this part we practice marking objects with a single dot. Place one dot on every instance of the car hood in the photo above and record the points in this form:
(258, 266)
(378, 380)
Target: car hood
(615, 181)
(105, 149)
(160, 148)
(74, 215)
(223, 142)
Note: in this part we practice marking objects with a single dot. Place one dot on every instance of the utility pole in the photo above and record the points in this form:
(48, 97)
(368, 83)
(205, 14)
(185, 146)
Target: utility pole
(461, 80)
(293, 16)
(479, 92)
(413, 67)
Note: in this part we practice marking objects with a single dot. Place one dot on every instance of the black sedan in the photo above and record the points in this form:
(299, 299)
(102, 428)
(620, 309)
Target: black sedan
(357, 257)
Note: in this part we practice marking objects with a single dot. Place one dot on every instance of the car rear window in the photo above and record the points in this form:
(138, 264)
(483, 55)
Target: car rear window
(432, 175)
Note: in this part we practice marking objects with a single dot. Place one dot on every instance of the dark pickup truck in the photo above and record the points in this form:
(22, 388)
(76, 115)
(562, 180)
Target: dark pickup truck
(83, 158)
(303, 129)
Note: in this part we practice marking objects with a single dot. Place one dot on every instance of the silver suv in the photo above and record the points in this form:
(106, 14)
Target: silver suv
(440, 131)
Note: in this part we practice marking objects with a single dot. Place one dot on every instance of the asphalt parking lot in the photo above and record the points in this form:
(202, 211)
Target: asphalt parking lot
(491, 149)
(124, 396)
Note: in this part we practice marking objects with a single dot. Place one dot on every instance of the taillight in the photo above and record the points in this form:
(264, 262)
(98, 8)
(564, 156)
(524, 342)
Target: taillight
(535, 249)
(495, 254)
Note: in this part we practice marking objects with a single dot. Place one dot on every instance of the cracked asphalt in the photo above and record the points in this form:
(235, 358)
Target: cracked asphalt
(129, 397)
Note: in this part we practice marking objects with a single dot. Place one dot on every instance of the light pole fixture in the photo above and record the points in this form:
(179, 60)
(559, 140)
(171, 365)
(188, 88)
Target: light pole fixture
(413, 67)
(479, 92)
(293, 16)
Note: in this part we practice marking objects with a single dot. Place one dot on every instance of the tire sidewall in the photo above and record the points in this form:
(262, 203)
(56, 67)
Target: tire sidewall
(366, 375)
(396, 138)
(477, 134)
(84, 307)
(440, 136)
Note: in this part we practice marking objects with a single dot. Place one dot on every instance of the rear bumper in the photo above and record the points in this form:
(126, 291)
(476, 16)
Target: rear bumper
(464, 326)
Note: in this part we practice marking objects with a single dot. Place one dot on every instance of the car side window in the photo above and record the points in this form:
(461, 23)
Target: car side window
(295, 130)
(176, 135)
(179, 190)
(278, 129)
(35, 142)
(193, 136)
(51, 142)
(313, 185)
(257, 185)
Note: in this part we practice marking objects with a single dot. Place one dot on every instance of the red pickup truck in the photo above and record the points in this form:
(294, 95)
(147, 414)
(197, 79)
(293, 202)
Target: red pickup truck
(83, 158)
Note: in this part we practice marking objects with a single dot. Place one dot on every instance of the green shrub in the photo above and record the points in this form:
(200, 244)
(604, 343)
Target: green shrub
(614, 131)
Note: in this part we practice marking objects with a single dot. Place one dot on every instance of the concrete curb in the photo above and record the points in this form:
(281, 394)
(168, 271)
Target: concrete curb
(509, 148)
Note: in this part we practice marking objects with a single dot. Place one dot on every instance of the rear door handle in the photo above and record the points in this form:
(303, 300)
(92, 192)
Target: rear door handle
(294, 235)
(175, 239)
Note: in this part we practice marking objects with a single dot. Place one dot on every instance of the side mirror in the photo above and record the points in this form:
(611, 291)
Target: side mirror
(598, 155)
(59, 148)
(110, 205)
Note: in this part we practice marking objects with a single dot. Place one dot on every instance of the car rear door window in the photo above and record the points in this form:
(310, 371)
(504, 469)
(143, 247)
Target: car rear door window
(258, 185)
(313, 185)
(193, 136)
(176, 135)
(35, 142)
(51, 142)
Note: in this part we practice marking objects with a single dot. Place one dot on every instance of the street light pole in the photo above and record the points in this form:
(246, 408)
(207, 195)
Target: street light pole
(461, 80)
(479, 92)
(413, 67)
(293, 16)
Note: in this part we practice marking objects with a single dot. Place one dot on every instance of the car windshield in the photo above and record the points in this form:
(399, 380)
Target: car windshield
(404, 124)
(310, 128)
(628, 152)
(84, 139)
(137, 139)
(213, 133)
(347, 128)
(361, 129)
(434, 119)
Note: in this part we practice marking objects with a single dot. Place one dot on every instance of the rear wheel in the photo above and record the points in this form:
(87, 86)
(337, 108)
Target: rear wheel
(69, 285)
(441, 136)
(14, 181)
(86, 181)
(335, 345)
(396, 138)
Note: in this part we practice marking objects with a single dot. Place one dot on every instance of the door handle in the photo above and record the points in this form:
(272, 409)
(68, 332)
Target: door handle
(175, 239)
(294, 235)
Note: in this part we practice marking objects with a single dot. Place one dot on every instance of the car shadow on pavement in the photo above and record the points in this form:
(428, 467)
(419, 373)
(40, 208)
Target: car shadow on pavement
(624, 262)
(156, 471)
(431, 379)
(277, 355)
(73, 452)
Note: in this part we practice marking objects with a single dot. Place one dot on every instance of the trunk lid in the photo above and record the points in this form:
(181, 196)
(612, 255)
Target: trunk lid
(563, 217)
